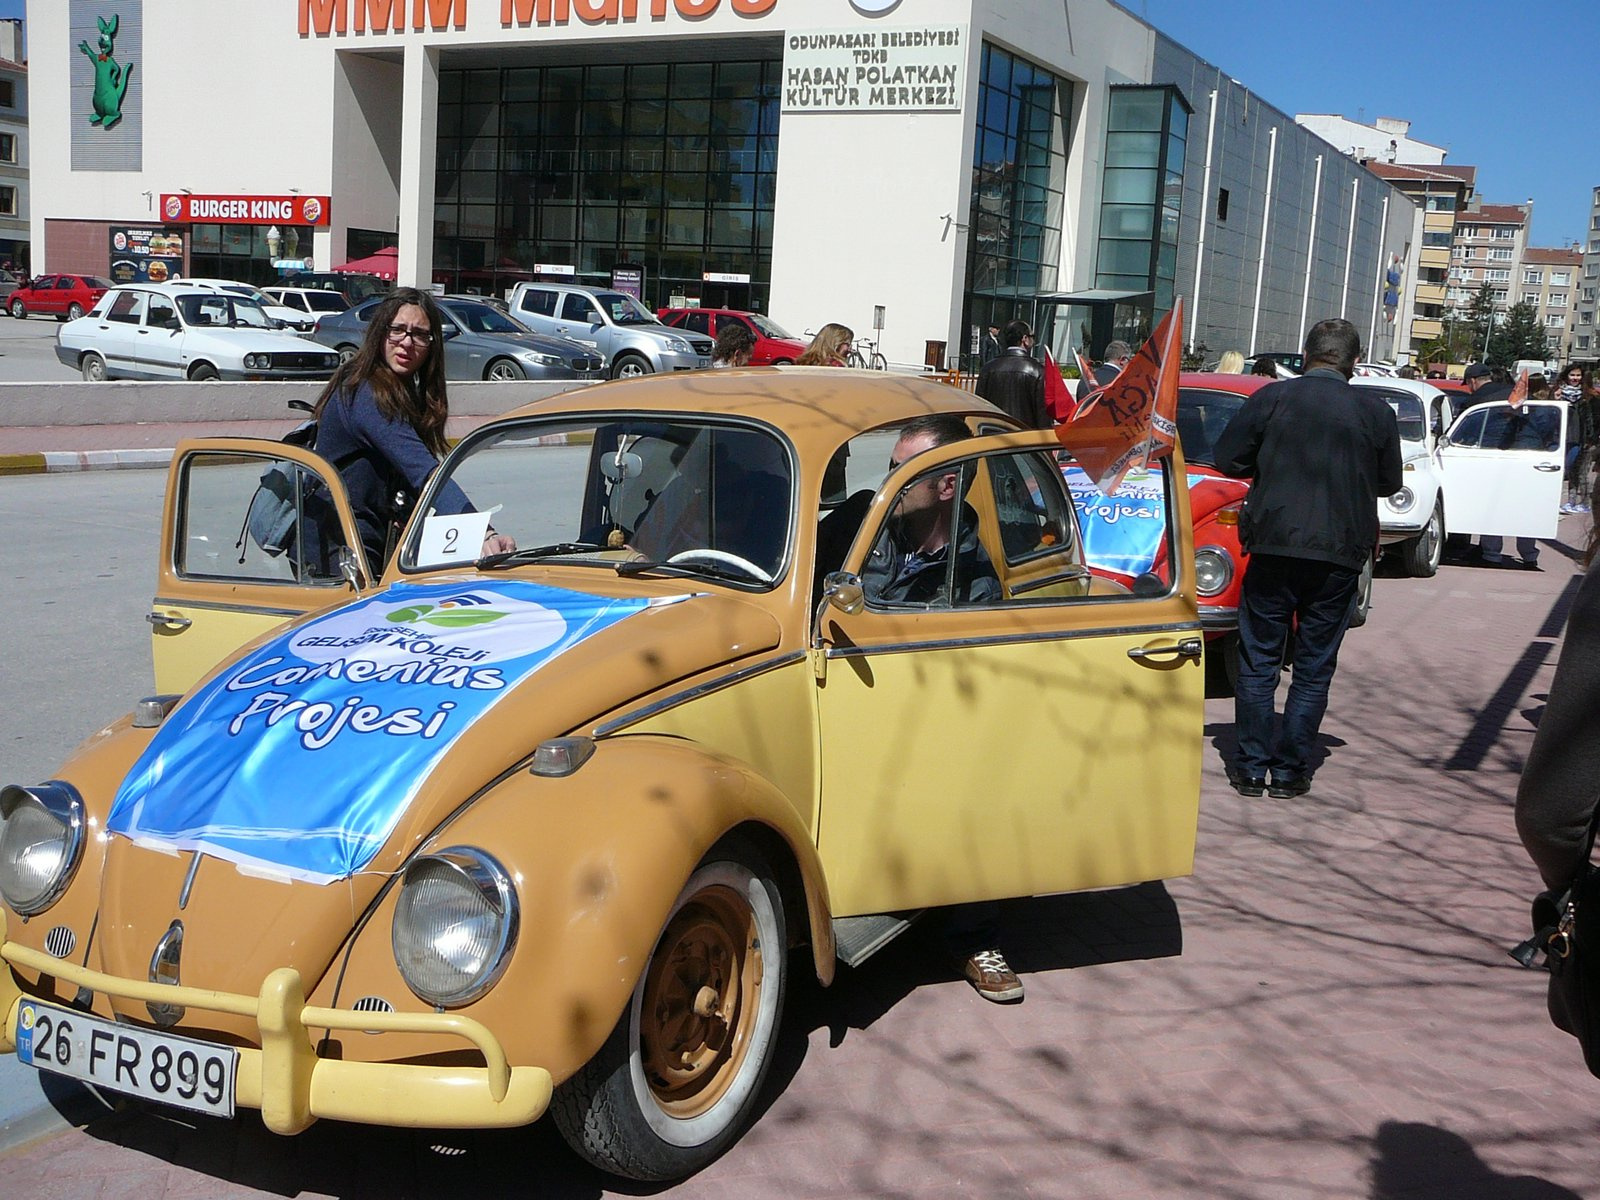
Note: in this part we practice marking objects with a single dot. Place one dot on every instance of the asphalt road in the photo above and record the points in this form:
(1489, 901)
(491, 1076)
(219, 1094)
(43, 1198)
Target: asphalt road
(28, 352)
(1324, 1010)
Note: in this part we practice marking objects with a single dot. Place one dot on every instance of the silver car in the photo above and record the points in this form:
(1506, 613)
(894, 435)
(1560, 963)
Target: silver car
(480, 342)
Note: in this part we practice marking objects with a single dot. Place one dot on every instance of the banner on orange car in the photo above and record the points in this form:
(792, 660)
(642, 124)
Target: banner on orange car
(1134, 417)
(1058, 398)
(1519, 390)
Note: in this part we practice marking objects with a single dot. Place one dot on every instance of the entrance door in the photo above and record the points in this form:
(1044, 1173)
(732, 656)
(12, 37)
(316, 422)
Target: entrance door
(217, 587)
(1021, 728)
(1502, 469)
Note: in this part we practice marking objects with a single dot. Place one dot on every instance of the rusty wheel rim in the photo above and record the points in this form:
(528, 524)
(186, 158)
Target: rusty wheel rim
(700, 1003)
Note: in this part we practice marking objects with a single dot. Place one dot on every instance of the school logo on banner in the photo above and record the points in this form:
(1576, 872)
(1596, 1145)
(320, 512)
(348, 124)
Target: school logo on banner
(300, 759)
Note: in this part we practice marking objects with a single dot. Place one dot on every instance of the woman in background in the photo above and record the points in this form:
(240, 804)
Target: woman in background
(1231, 363)
(830, 348)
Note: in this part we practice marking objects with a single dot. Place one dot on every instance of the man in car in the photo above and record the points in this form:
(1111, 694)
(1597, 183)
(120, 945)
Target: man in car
(1318, 452)
(910, 565)
(1013, 380)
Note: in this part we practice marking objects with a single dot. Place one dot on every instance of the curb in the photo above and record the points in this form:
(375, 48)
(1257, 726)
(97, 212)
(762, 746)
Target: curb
(63, 461)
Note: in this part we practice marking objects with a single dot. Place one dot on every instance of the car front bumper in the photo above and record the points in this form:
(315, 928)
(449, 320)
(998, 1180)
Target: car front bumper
(1400, 531)
(1218, 618)
(287, 1081)
(673, 361)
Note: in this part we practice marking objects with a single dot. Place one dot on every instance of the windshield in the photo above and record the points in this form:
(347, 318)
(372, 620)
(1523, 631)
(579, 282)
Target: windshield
(711, 498)
(326, 301)
(221, 308)
(1408, 412)
(770, 328)
(624, 309)
(1202, 416)
(485, 318)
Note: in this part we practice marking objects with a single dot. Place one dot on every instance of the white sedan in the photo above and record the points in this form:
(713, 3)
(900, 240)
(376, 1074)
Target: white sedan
(1496, 470)
(294, 318)
(176, 331)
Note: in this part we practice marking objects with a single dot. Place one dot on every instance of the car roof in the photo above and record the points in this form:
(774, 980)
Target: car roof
(1419, 388)
(810, 404)
(180, 287)
(1224, 381)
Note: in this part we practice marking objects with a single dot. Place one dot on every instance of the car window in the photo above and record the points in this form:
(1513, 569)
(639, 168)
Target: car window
(43, 283)
(717, 493)
(578, 307)
(697, 322)
(94, 281)
(767, 327)
(1468, 431)
(214, 541)
(1531, 427)
(1408, 413)
(625, 310)
(66, 283)
(1202, 416)
(539, 301)
(485, 318)
(159, 313)
(324, 301)
(1031, 509)
(126, 308)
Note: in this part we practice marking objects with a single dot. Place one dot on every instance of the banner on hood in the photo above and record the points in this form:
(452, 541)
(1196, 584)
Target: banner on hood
(299, 759)
(1123, 532)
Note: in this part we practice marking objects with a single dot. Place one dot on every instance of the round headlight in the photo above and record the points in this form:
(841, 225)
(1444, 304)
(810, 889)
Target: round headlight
(454, 925)
(1403, 500)
(41, 841)
(1213, 570)
(257, 362)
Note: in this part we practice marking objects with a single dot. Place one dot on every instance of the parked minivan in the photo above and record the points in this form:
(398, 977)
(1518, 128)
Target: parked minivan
(628, 334)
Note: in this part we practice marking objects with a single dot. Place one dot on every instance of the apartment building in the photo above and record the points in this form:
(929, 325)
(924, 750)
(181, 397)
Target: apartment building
(1549, 282)
(1490, 241)
(1440, 194)
(1585, 333)
(14, 209)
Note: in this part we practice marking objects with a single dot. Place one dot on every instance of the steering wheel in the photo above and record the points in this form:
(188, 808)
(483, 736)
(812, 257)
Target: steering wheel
(722, 558)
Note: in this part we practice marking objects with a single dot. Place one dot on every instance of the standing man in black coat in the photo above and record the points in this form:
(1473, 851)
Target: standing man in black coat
(1318, 453)
(1014, 380)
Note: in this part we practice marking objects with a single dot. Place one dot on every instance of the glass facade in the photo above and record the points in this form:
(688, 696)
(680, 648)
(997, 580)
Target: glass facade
(245, 252)
(672, 166)
(1019, 172)
(1141, 198)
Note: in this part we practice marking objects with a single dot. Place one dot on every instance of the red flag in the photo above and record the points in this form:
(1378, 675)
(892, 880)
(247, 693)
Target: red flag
(1519, 391)
(1134, 417)
(1058, 398)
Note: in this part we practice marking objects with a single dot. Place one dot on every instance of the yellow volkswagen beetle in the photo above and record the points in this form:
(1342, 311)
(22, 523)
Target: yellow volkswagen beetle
(478, 838)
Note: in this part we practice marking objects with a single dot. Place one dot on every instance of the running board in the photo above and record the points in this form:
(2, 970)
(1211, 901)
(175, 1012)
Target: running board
(857, 939)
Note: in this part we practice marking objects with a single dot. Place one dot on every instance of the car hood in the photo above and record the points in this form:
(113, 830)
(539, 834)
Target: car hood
(246, 340)
(314, 763)
(1210, 490)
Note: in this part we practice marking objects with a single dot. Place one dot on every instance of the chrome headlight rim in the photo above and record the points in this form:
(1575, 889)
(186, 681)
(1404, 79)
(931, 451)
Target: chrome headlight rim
(62, 803)
(1223, 567)
(1402, 501)
(483, 873)
(679, 346)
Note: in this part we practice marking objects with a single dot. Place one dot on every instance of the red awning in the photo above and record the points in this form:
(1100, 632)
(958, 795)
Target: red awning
(385, 264)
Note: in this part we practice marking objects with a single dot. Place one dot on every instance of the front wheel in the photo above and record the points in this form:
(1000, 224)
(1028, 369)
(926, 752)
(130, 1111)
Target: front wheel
(346, 353)
(19, 310)
(93, 368)
(1363, 601)
(680, 1075)
(879, 362)
(505, 370)
(631, 366)
(1422, 553)
(204, 371)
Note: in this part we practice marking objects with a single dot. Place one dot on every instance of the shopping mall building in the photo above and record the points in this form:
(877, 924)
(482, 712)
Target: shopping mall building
(923, 166)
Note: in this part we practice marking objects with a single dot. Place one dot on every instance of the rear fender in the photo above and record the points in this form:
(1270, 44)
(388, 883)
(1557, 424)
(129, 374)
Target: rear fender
(597, 859)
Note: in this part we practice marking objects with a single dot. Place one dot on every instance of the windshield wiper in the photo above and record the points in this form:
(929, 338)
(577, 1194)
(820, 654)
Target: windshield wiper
(639, 566)
(490, 562)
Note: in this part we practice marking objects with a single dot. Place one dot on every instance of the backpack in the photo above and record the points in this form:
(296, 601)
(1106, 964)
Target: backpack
(274, 509)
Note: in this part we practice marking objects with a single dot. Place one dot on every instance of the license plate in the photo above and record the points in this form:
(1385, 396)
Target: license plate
(155, 1066)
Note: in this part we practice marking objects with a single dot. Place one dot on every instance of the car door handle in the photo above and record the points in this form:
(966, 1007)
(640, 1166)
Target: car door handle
(1188, 648)
(1547, 466)
(162, 620)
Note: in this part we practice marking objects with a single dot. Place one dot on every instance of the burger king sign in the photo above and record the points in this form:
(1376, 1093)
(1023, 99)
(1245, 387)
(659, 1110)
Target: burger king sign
(246, 210)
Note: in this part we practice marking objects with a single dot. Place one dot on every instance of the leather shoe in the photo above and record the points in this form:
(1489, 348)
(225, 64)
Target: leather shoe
(992, 977)
(1246, 785)
(1288, 789)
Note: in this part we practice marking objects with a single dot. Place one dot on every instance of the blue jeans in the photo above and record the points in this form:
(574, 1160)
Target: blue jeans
(1493, 547)
(1277, 590)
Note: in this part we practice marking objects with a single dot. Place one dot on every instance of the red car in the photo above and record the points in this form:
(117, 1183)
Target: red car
(64, 297)
(773, 343)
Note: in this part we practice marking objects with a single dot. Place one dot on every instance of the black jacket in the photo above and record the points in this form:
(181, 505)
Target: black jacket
(894, 575)
(1014, 382)
(1561, 780)
(1318, 453)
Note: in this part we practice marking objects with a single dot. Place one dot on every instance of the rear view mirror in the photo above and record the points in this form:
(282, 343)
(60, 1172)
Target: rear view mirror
(617, 467)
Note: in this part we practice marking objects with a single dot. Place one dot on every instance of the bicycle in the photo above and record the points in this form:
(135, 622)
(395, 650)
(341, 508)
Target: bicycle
(870, 360)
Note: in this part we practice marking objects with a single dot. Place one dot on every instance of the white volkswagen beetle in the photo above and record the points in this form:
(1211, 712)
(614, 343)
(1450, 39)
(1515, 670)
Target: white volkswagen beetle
(1412, 521)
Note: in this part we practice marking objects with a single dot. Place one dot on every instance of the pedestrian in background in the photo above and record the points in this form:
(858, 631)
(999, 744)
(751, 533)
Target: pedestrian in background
(1118, 355)
(830, 348)
(1318, 453)
(1576, 387)
(735, 345)
(1231, 363)
(1014, 381)
(989, 347)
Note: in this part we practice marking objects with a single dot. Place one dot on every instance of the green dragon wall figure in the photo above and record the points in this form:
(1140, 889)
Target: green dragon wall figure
(110, 79)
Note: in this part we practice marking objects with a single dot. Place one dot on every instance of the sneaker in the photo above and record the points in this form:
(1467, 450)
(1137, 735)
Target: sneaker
(992, 977)
(1581, 509)
(1568, 508)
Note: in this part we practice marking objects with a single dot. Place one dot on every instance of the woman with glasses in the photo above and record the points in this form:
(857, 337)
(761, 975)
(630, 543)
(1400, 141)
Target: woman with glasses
(1574, 386)
(830, 348)
(381, 422)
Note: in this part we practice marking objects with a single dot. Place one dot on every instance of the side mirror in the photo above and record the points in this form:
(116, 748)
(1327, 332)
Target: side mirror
(1149, 585)
(450, 331)
(843, 591)
(172, 323)
(345, 560)
(1444, 442)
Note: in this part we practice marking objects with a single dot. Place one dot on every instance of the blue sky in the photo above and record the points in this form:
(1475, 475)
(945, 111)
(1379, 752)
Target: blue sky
(1509, 89)
(1495, 84)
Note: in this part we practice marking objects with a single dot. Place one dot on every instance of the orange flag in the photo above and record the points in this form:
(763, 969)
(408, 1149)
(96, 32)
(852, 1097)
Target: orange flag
(1058, 399)
(1133, 418)
(1519, 390)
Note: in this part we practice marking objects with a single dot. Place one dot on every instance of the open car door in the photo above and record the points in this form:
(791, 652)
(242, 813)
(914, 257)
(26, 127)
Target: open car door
(1021, 727)
(1502, 469)
(217, 585)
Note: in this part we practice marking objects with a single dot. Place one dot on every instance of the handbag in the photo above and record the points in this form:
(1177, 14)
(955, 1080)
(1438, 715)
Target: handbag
(1566, 930)
(275, 507)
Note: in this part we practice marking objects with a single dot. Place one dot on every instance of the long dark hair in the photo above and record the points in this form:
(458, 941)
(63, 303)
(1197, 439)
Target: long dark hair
(421, 400)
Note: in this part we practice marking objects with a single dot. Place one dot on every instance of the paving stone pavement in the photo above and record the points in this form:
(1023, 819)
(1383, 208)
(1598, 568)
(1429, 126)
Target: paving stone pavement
(1325, 1009)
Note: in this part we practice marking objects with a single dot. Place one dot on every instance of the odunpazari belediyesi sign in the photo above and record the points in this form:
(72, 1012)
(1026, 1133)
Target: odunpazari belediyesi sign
(914, 69)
